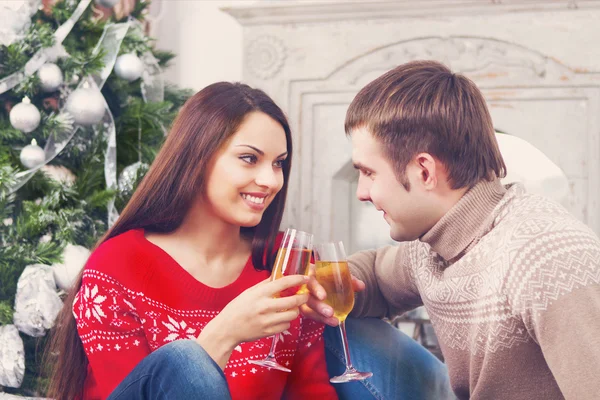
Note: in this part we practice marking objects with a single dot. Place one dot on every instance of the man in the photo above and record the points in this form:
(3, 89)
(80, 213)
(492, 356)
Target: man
(510, 280)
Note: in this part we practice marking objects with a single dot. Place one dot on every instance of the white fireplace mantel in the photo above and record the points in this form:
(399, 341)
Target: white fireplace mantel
(537, 63)
(278, 12)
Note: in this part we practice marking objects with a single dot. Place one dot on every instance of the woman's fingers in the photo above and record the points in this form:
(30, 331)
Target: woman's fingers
(286, 303)
(283, 317)
(281, 284)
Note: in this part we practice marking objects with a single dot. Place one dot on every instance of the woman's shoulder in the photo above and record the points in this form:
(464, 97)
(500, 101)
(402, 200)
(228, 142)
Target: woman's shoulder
(118, 253)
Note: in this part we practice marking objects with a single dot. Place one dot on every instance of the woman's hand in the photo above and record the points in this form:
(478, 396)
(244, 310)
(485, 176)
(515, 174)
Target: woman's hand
(256, 313)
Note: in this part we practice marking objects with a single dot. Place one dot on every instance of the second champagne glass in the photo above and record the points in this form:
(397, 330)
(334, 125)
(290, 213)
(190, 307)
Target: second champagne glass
(292, 258)
(331, 271)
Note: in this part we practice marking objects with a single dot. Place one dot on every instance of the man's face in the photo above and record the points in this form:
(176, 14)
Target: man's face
(408, 212)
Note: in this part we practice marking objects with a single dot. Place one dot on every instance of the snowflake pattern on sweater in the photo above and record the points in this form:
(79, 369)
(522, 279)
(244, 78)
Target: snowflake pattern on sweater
(122, 315)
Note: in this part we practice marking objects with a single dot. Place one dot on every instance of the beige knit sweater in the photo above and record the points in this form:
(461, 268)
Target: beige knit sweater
(511, 282)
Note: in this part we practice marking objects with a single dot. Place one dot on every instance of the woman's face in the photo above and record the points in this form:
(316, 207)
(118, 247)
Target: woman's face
(247, 172)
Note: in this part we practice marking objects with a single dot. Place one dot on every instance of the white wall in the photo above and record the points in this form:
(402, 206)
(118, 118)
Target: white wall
(206, 41)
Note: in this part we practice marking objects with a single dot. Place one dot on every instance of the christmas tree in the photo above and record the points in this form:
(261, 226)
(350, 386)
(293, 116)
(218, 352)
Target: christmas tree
(83, 113)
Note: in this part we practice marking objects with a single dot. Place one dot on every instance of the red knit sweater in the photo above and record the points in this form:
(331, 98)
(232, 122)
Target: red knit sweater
(135, 298)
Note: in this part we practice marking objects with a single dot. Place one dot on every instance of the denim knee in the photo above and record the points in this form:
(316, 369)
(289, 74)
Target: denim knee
(186, 363)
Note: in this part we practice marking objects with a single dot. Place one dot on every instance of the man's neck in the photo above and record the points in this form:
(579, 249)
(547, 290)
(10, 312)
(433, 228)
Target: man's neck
(460, 225)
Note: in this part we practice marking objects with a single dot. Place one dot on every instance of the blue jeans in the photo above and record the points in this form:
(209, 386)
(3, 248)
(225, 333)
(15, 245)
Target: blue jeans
(178, 370)
(402, 368)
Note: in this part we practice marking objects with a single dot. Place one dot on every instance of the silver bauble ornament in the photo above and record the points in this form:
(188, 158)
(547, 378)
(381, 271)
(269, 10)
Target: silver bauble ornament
(129, 67)
(128, 177)
(86, 105)
(107, 3)
(51, 77)
(32, 155)
(25, 116)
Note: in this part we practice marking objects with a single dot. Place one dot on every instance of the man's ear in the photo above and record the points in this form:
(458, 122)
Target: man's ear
(427, 170)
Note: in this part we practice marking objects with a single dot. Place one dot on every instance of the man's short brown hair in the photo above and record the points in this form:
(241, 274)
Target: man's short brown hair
(421, 106)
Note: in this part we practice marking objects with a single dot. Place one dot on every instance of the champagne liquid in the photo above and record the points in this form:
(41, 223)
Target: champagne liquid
(335, 278)
(297, 264)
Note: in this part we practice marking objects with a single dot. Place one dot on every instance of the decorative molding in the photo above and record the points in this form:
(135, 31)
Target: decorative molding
(480, 58)
(509, 74)
(265, 56)
(304, 11)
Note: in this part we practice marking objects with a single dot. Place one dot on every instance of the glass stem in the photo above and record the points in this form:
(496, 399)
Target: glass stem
(273, 343)
(345, 343)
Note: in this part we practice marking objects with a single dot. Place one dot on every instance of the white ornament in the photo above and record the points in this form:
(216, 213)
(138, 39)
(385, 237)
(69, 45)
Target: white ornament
(25, 116)
(56, 52)
(129, 67)
(32, 155)
(51, 77)
(86, 105)
(15, 19)
(12, 357)
(59, 173)
(107, 3)
(128, 177)
(74, 258)
(37, 302)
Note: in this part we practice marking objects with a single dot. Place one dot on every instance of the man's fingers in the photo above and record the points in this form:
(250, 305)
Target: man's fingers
(316, 289)
(312, 270)
(357, 284)
(320, 307)
(312, 314)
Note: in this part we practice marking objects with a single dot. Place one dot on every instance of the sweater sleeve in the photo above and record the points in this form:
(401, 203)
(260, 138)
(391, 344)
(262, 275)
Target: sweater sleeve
(110, 329)
(390, 287)
(560, 299)
(309, 378)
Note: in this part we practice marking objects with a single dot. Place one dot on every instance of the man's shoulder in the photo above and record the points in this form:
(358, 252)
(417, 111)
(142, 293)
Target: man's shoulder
(530, 216)
(534, 233)
(548, 252)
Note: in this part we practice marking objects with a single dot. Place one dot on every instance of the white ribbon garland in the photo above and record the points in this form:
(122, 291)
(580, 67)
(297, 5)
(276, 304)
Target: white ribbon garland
(152, 88)
(41, 56)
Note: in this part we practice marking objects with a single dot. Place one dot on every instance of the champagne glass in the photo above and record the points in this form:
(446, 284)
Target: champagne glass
(292, 258)
(331, 271)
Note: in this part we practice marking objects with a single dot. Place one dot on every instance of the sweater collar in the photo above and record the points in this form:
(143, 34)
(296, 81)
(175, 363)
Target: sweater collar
(459, 228)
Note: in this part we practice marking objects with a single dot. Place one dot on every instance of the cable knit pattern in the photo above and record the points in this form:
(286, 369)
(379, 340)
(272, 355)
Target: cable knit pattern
(135, 298)
(511, 282)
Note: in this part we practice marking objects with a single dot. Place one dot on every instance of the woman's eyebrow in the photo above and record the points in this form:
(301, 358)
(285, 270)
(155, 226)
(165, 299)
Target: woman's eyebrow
(262, 153)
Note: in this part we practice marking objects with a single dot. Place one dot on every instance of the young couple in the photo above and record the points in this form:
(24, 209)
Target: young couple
(175, 299)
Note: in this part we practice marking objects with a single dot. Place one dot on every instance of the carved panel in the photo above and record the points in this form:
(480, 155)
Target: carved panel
(529, 95)
(265, 56)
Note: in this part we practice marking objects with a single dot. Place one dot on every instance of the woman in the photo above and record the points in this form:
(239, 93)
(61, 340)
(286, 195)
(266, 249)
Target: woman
(189, 258)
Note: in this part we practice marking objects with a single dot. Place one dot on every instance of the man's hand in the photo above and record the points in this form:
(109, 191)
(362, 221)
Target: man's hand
(316, 309)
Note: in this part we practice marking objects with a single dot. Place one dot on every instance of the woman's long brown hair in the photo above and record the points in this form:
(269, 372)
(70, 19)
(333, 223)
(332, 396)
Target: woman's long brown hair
(176, 177)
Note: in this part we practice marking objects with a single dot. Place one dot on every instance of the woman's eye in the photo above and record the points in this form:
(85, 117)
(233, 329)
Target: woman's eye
(279, 163)
(250, 159)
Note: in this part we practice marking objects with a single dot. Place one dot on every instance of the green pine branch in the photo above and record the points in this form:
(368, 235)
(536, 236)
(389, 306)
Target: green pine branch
(43, 216)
